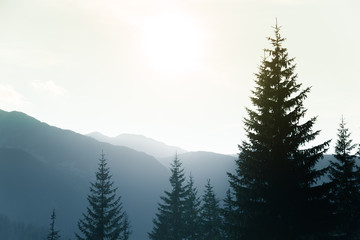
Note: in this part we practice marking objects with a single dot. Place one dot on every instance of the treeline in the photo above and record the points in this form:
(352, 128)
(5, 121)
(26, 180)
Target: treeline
(275, 192)
(12, 230)
(182, 214)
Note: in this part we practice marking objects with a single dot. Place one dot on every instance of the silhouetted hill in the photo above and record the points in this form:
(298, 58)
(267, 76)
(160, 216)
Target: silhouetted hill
(44, 167)
(140, 143)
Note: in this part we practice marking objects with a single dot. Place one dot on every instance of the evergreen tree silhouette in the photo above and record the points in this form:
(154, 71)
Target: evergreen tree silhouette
(345, 191)
(191, 212)
(274, 186)
(211, 223)
(53, 234)
(105, 218)
(126, 228)
(169, 221)
(227, 217)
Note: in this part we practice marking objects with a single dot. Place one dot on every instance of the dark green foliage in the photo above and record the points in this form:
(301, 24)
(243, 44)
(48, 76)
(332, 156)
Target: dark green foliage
(210, 215)
(191, 212)
(105, 218)
(169, 221)
(345, 180)
(53, 234)
(227, 213)
(275, 195)
(126, 228)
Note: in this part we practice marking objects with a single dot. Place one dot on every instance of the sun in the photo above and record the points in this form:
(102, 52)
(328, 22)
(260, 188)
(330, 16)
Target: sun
(172, 43)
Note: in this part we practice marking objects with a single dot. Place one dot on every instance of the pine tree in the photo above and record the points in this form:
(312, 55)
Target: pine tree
(127, 228)
(53, 234)
(169, 222)
(191, 212)
(105, 216)
(345, 191)
(227, 213)
(211, 223)
(274, 186)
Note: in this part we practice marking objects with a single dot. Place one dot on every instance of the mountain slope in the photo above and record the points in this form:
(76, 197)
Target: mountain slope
(50, 167)
(202, 165)
(140, 143)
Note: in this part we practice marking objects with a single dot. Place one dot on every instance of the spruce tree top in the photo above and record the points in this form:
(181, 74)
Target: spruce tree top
(104, 218)
(169, 222)
(53, 234)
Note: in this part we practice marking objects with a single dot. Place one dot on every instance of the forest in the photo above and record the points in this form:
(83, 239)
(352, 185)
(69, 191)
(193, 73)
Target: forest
(277, 191)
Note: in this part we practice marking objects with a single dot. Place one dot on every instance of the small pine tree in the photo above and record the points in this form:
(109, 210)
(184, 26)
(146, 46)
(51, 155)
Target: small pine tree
(227, 213)
(169, 222)
(127, 228)
(211, 223)
(53, 234)
(191, 212)
(345, 191)
(105, 218)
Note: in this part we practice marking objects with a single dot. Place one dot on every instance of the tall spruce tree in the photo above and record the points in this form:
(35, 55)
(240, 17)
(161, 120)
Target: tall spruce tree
(191, 212)
(211, 223)
(53, 234)
(169, 221)
(274, 186)
(345, 191)
(105, 218)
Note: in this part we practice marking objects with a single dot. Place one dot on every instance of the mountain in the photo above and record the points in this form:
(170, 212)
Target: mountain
(206, 165)
(44, 167)
(140, 143)
(202, 165)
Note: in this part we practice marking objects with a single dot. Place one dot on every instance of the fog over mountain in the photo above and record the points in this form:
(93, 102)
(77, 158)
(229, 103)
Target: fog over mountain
(140, 143)
(201, 165)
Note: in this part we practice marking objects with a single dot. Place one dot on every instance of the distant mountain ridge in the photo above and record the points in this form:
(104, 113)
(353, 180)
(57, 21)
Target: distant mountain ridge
(201, 165)
(43, 167)
(139, 143)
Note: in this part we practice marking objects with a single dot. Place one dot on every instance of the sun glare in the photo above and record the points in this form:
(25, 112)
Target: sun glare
(172, 43)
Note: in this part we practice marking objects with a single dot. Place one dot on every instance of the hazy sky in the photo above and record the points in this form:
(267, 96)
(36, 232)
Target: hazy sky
(180, 72)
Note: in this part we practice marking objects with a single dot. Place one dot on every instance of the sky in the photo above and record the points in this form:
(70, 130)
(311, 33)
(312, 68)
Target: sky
(180, 72)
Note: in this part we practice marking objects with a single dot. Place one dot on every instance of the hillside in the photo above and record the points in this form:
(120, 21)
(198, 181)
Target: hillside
(202, 165)
(44, 167)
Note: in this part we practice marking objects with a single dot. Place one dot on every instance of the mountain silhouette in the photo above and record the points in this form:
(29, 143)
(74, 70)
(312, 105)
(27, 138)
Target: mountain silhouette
(44, 167)
(201, 165)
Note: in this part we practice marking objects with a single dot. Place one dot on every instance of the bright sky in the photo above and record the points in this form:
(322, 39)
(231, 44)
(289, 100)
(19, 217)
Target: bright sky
(180, 71)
